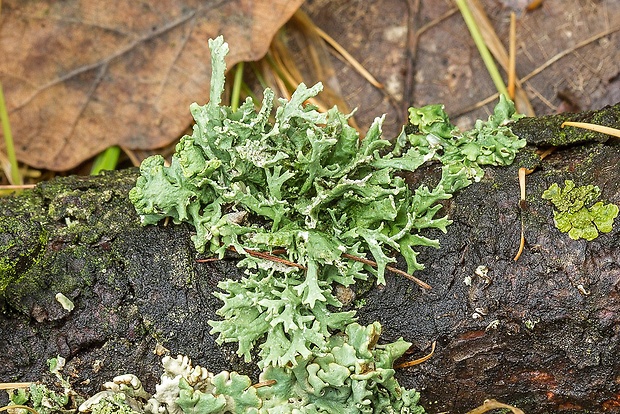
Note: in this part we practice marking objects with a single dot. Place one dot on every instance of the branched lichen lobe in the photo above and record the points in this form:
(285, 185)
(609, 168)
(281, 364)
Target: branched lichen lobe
(306, 185)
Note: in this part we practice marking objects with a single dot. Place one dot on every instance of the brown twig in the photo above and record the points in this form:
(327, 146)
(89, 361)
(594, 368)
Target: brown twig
(208, 260)
(267, 383)
(271, 257)
(390, 268)
(255, 253)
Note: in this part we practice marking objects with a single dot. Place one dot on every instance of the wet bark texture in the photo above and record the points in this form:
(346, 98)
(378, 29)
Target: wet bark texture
(542, 333)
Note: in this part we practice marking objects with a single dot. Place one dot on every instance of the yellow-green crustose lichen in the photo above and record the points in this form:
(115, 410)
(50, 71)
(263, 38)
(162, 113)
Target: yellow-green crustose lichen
(575, 212)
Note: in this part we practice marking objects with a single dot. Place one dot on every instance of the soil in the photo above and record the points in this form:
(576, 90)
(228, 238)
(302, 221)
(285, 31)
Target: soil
(422, 53)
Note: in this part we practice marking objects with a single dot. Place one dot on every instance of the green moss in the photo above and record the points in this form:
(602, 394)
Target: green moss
(64, 272)
(50, 236)
(21, 243)
(548, 131)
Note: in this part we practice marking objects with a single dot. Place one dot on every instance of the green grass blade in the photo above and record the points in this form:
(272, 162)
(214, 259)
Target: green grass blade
(236, 92)
(482, 47)
(106, 160)
(14, 177)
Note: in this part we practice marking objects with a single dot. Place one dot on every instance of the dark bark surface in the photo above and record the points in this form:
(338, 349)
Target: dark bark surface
(542, 333)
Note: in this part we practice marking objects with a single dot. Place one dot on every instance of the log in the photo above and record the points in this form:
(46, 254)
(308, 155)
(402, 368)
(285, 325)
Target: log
(541, 333)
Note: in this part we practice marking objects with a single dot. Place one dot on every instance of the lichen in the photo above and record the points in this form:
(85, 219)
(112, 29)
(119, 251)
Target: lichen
(307, 186)
(576, 211)
(113, 404)
(43, 398)
(64, 301)
(352, 374)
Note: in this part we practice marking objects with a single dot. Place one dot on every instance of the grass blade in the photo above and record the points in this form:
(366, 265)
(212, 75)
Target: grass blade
(482, 48)
(13, 176)
(106, 160)
(236, 92)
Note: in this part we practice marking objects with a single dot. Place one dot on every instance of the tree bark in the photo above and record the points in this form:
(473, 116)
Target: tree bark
(541, 333)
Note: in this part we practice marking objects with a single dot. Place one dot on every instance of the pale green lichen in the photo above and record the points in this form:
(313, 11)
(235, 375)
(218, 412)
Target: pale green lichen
(64, 301)
(306, 184)
(576, 212)
(44, 399)
(113, 404)
(352, 374)
(488, 143)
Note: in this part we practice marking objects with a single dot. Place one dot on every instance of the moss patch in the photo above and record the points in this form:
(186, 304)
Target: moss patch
(56, 237)
(21, 243)
(547, 130)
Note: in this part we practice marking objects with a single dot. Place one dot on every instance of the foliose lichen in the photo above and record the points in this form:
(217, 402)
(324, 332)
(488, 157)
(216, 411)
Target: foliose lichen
(576, 212)
(352, 375)
(305, 187)
(45, 400)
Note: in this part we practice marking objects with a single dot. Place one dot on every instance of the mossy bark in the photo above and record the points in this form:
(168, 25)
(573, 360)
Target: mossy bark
(548, 130)
(541, 332)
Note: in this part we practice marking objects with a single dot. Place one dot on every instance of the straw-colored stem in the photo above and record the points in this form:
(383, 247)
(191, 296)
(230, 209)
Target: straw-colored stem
(482, 48)
(512, 56)
(493, 405)
(594, 127)
(349, 58)
(21, 407)
(14, 385)
(419, 360)
(522, 206)
(12, 187)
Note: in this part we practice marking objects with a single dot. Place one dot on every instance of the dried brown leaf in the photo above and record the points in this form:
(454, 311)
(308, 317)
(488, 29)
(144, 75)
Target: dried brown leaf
(82, 75)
